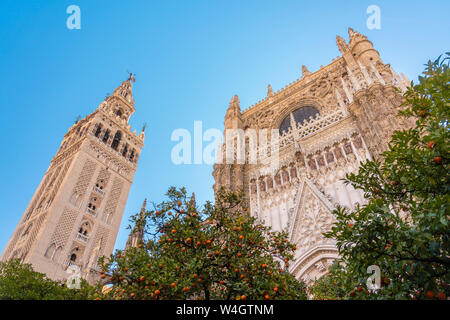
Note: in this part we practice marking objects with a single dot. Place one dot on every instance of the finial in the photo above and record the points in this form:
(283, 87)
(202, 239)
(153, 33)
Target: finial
(236, 99)
(340, 42)
(144, 205)
(351, 33)
(78, 119)
(131, 76)
(144, 126)
(192, 201)
(305, 71)
(269, 91)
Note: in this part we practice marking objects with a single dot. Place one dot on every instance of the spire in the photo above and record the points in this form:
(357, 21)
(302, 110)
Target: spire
(354, 37)
(144, 205)
(269, 91)
(234, 108)
(137, 234)
(233, 114)
(192, 201)
(125, 89)
(340, 42)
(305, 71)
(351, 33)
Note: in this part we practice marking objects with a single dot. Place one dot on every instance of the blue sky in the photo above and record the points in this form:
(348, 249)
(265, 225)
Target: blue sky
(189, 57)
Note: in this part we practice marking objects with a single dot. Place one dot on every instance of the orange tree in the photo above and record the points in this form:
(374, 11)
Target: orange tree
(218, 253)
(404, 226)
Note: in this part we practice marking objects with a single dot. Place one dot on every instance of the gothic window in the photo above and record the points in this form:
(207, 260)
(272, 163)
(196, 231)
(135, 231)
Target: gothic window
(348, 148)
(100, 184)
(106, 136)
(116, 140)
(293, 173)
(300, 116)
(321, 161)
(73, 257)
(269, 183)
(125, 150)
(330, 157)
(132, 155)
(50, 251)
(285, 176)
(98, 130)
(56, 254)
(278, 179)
(262, 186)
(312, 164)
(85, 228)
(119, 113)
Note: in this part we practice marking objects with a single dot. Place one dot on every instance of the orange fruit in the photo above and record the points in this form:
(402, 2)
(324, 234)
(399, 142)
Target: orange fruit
(441, 295)
(437, 160)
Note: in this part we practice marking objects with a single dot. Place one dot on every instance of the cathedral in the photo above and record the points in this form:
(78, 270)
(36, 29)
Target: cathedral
(326, 123)
(75, 213)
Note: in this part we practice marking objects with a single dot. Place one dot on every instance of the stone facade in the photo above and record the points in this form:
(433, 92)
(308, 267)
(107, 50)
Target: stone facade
(75, 214)
(329, 121)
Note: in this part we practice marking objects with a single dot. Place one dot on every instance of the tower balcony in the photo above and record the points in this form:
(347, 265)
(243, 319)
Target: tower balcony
(99, 191)
(91, 212)
(82, 237)
(67, 263)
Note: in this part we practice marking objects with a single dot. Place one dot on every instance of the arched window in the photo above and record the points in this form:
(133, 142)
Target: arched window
(300, 116)
(56, 254)
(100, 184)
(125, 150)
(132, 155)
(98, 130)
(116, 140)
(50, 251)
(106, 136)
(73, 257)
(119, 112)
(85, 228)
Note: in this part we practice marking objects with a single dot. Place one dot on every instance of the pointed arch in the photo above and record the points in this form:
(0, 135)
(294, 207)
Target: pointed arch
(116, 140)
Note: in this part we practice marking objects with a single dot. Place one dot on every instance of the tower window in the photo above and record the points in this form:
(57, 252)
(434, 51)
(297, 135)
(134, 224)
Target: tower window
(132, 155)
(106, 136)
(73, 257)
(116, 140)
(125, 150)
(84, 229)
(98, 130)
(119, 113)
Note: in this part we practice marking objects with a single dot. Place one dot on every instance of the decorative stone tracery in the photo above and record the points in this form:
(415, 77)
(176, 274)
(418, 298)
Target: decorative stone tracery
(357, 102)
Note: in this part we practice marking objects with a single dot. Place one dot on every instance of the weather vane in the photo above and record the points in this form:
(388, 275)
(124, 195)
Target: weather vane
(131, 76)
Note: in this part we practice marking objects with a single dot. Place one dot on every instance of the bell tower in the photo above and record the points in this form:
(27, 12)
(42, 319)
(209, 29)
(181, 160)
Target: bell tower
(75, 213)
